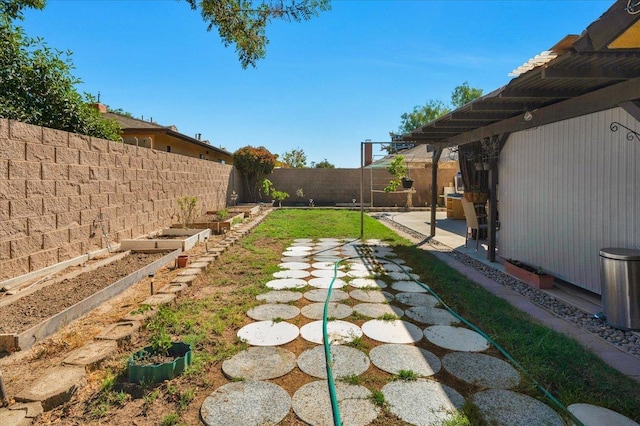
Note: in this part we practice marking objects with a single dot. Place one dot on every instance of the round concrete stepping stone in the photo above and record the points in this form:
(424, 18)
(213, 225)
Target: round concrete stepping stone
(331, 259)
(285, 283)
(271, 311)
(294, 265)
(327, 273)
(325, 282)
(291, 273)
(417, 299)
(297, 259)
(246, 403)
(367, 283)
(396, 331)
(346, 362)
(313, 405)
(408, 287)
(334, 310)
(361, 273)
(260, 363)
(376, 310)
(456, 338)
(338, 331)
(300, 248)
(391, 267)
(362, 265)
(481, 369)
(327, 265)
(395, 261)
(435, 316)
(303, 240)
(326, 253)
(592, 415)
(423, 401)
(401, 276)
(371, 296)
(320, 295)
(91, 354)
(268, 333)
(295, 253)
(504, 407)
(393, 358)
(54, 387)
(330, 240)
(279, 296)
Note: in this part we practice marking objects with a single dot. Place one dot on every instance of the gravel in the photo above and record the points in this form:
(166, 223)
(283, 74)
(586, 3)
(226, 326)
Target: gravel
(623, 339)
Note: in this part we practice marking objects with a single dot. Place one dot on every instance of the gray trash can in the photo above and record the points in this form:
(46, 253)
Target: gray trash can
(620, 281)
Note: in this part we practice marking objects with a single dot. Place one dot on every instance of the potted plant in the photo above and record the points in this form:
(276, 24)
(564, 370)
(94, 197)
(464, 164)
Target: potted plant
(535, 277)
(268, 189)
(398, 171)
(162, 360)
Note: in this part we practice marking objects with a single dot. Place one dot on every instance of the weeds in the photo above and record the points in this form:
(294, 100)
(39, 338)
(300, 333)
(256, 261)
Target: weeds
(406, 375)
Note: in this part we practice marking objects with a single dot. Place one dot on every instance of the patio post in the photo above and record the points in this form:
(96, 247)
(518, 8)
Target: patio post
(434, 189)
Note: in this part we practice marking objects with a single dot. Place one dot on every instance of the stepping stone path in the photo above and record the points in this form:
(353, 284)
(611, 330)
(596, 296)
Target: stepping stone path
(398, 346)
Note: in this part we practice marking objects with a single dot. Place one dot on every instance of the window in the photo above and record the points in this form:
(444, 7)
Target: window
(168, 148)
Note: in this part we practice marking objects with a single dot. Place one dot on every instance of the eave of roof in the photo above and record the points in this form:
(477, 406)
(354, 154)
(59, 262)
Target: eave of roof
(177, 135)
(573, 69)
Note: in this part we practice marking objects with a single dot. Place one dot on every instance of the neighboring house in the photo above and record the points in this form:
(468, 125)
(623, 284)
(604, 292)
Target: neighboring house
(165, 138)
(562, 139)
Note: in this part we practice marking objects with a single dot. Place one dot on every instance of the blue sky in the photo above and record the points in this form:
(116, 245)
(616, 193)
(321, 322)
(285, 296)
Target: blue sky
(326, 84)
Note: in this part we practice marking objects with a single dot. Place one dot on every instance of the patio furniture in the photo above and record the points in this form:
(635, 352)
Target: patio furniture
(474, 221)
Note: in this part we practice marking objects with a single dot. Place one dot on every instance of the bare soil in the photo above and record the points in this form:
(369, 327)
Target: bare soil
(28, 311)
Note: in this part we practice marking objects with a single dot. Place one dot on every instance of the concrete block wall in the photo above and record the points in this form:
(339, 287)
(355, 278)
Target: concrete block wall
(331, 186)
(55, 187)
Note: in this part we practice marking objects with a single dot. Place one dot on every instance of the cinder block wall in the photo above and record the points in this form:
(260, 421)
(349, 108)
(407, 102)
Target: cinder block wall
(332, 186)
(55, 186)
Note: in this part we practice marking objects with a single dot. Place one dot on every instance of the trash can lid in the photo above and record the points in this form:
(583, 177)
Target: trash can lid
(620, 253)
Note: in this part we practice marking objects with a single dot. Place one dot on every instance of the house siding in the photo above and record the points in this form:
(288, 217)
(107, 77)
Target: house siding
(567, 190)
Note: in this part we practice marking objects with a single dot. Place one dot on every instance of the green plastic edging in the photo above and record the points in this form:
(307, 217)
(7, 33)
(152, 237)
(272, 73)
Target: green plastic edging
(156, 373)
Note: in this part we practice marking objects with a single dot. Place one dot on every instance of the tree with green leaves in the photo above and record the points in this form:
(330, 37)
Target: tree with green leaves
(464, 94)
(243, 22)
(37, 84)
(434, 109)
(294, 159)
(324, 164)
(254, 164)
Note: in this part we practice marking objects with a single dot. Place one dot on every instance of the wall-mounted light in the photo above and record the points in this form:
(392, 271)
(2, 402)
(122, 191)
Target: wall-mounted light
(528, 116)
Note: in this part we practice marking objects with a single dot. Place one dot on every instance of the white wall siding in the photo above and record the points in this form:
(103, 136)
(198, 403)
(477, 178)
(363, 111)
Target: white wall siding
(567, 190)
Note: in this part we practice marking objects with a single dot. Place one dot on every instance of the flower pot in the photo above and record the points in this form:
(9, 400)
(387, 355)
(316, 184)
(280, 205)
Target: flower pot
(182, 260)
(528, 274)
(476, 197)
(407, 183)
(156, 373)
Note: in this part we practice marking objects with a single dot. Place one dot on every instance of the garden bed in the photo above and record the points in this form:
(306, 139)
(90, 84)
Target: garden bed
(168, 239)
(35, 316)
